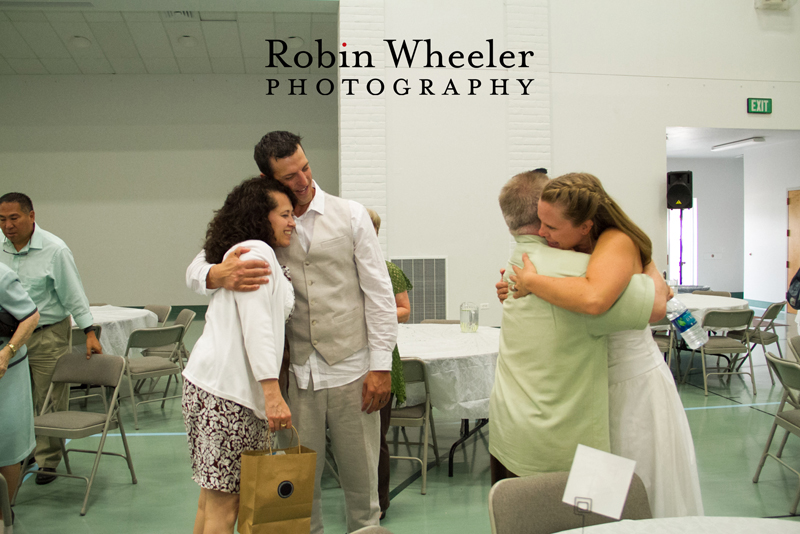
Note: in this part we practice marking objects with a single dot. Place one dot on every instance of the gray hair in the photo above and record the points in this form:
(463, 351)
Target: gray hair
(519, 199)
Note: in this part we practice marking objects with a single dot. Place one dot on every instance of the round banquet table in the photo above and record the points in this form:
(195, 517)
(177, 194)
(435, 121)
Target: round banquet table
(699, 305)
(118, 323)
(460, 366)
(460, 371)
(698, 525)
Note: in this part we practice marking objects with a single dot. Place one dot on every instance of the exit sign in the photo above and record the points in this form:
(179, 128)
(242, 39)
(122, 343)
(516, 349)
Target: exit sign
(759, 105)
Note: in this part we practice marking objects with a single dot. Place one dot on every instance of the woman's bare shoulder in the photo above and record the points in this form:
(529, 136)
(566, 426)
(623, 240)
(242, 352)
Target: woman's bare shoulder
(616, 238)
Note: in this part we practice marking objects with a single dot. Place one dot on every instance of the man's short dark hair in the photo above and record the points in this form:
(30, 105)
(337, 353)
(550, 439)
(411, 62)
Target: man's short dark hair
(22, 199)
(276, 145)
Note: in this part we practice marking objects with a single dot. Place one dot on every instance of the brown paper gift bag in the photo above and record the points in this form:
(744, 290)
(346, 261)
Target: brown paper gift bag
(277, 490)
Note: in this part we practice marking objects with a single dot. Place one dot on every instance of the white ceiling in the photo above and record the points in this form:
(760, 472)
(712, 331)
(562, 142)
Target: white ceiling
(118, 37)
(697, 142)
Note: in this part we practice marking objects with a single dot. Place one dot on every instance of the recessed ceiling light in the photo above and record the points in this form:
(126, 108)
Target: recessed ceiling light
(187, 41)
(295, 42)
(79, 41)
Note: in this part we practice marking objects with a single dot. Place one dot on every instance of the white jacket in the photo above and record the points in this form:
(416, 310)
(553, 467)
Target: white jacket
(242, 342)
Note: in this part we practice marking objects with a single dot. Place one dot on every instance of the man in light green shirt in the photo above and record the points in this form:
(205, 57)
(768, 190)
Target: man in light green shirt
(47, 271)
(551, 383)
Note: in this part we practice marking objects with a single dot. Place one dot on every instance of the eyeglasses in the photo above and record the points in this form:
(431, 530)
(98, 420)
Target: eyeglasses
(25, 253)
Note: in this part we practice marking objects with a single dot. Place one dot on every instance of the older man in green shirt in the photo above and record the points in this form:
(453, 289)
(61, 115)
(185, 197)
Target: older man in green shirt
(551, 383)
(47, 271)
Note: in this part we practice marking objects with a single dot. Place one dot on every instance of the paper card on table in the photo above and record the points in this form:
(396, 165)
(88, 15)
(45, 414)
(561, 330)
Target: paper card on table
(599, 482)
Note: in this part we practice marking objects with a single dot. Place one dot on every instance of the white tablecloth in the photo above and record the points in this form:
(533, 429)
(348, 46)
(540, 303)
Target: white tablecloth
(695, 525)
(460, 366)
(699, 305)
(118, 323)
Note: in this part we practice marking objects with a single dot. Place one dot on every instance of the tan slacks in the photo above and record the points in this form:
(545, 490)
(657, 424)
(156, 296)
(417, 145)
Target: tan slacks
(355, 439)
(45, 347)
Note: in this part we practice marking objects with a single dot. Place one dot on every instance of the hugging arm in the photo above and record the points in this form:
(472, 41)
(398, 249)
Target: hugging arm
(233, 273)
(614, 261)
(663, 292)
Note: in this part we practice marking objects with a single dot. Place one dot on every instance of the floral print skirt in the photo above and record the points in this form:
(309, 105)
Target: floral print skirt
(219, 430)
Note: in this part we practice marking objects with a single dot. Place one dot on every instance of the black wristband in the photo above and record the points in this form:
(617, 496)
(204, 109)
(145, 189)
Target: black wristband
(89, 329)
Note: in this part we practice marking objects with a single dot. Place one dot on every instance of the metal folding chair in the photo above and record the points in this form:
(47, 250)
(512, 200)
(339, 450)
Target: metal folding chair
(418, 415)
(730, 320)
(101, 370)
(533, 505)
(161, 311)
(787, 417)
(760, 334)
(141, 368)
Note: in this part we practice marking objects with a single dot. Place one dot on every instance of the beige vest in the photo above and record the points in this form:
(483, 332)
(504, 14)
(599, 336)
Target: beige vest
(329, 305)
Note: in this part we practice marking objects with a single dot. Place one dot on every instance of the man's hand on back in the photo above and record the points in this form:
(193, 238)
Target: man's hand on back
(234, 274)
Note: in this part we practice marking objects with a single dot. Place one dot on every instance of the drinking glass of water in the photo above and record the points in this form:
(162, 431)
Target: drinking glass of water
(469, 317)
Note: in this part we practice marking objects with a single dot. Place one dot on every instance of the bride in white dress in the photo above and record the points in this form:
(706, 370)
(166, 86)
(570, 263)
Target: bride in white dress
(646, 416)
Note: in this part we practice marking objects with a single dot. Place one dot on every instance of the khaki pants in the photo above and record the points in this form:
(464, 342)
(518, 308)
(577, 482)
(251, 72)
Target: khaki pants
(355, 438)
(45, 347)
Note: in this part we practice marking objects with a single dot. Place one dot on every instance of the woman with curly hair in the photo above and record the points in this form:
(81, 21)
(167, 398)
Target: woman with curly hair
(231, 397)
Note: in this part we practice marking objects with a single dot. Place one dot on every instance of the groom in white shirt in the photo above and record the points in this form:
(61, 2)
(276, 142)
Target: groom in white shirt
(343, 329)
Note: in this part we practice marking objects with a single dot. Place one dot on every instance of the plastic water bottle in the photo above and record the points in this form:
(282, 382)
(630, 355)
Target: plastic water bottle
(686, 325)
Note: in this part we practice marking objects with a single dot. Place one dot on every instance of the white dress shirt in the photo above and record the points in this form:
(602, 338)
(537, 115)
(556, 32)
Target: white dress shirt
(374, 281)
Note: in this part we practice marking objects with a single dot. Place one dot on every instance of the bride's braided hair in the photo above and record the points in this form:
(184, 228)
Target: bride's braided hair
(582, 197)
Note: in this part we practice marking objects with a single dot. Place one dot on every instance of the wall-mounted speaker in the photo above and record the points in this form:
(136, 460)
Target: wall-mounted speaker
(679, 190)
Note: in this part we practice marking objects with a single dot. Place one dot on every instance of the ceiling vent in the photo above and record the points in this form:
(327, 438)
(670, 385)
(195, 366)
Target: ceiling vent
(178, 16)
(217, 16)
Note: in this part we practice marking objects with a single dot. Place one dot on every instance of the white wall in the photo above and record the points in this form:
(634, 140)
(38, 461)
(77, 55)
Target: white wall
(438, 162)
(624, 71)
(718, 186)
(617, 75)
(769, 173)
(128, 169)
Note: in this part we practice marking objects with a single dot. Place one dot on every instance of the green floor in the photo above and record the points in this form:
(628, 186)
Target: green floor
(729, 426)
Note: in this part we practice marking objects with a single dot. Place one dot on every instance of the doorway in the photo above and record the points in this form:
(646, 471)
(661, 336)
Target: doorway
(793, 238)
(682, 245)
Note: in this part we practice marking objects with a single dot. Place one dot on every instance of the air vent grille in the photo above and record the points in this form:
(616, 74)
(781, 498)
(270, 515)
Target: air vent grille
(178, 16)
(429, 278)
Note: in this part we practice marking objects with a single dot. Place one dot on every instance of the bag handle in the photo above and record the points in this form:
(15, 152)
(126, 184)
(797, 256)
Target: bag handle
(290, 443)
